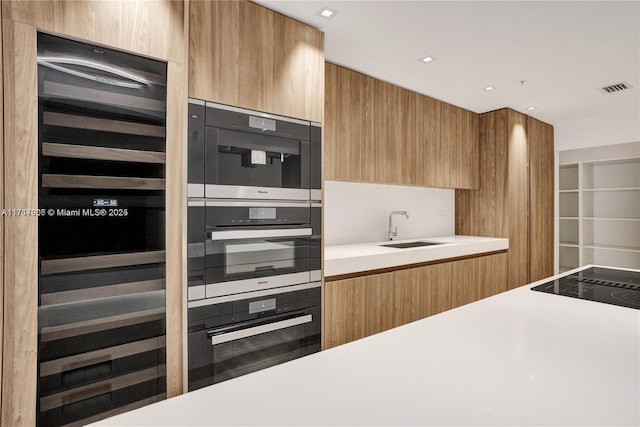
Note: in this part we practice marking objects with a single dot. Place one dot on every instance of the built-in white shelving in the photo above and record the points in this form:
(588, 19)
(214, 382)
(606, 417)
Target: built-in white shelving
(599, 213)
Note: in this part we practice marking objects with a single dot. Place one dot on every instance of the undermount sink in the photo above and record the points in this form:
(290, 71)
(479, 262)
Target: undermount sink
(410, 245)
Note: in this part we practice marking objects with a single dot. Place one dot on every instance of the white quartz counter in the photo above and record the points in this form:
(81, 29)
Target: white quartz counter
(518, 358)
(345, 259)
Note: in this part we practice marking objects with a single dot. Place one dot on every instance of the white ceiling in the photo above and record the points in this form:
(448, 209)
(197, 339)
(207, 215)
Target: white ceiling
(563, 50)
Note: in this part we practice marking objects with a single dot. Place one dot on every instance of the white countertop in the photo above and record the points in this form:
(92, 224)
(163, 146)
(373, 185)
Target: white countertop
(518, 358)
(345, 259)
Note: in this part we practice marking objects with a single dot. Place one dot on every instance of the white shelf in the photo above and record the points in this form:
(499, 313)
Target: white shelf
(611, 174)
(612, 233)
(569, 231)
(615, 247)
(611, 189)
(599, 213)
(569, 204)
(612, 257)
(569, 256)
(611, 204)
(568, 177)
(602, 218)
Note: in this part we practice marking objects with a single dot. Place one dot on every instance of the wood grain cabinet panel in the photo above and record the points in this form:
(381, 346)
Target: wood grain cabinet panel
(438, 280)
(541, 198)
(381, 133)
(462, 126)
(491, 275)
(151, 28)
(432, 150)
(245, 55)
(348, 114)
(393, 133)
(464, 282)
(21, 232)
(363, 306)
(2, 206)
(515, 195)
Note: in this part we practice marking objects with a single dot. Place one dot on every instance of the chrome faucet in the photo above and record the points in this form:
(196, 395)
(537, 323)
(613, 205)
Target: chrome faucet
(394, 232)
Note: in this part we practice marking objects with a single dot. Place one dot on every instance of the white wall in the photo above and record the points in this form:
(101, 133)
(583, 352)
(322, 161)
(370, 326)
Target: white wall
(359, 212)
(595, 131)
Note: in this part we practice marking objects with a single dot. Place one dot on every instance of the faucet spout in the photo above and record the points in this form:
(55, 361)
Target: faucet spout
(393, 231)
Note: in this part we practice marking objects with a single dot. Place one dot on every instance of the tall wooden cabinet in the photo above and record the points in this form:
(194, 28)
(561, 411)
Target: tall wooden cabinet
(245, 55)
(378, 132)
(515, 198)
(152, 29)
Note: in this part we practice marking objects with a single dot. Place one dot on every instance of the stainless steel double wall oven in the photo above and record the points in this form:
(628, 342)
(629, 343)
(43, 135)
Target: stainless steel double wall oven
(254, 245)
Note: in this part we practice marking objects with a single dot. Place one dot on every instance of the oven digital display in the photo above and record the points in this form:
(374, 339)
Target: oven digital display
(262, 213)
(105, 202)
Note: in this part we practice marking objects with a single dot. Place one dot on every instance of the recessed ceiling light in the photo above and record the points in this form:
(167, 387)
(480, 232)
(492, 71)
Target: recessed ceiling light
(325, 12)
(489, 88)
(531, 108)
(427, 59)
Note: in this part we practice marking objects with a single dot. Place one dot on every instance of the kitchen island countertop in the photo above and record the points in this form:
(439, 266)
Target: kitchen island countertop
(518, 358)
(354, 258)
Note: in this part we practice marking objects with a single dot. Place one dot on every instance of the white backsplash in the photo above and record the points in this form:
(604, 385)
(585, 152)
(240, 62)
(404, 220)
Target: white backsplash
(359, 212)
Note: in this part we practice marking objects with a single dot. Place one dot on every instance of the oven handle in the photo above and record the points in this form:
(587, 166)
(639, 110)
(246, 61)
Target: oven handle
(250, 234)
(257, 330)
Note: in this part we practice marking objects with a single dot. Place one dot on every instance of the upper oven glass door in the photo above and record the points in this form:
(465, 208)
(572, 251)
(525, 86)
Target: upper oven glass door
(244, 264)
(256, 245)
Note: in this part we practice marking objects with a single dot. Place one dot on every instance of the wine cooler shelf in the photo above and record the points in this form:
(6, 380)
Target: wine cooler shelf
(101, 314)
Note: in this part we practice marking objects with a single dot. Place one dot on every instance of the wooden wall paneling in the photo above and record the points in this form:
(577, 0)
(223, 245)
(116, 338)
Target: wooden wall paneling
(386, 133)
(368, 147)
(151, 28)
(21, 232)
(1, 218)
(461, 129)
(208, 20)
(175, 224)
(471, 150)
(541, 199)
(452, 135)
(298, 68)
(245, 55)
(432, 156)
(518, 200)
(499, 208)
(483, 212)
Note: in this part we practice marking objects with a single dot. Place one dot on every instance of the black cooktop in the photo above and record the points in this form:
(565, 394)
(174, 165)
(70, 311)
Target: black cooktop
(607, 285)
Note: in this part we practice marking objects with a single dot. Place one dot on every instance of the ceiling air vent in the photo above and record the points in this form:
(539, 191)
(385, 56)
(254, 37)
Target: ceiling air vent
(616, 87)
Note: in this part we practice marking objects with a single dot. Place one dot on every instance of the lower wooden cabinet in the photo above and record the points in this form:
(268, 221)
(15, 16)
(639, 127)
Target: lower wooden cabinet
(363, 306)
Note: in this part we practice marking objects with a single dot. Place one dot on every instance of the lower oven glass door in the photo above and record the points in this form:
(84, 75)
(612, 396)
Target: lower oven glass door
(231, 351)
